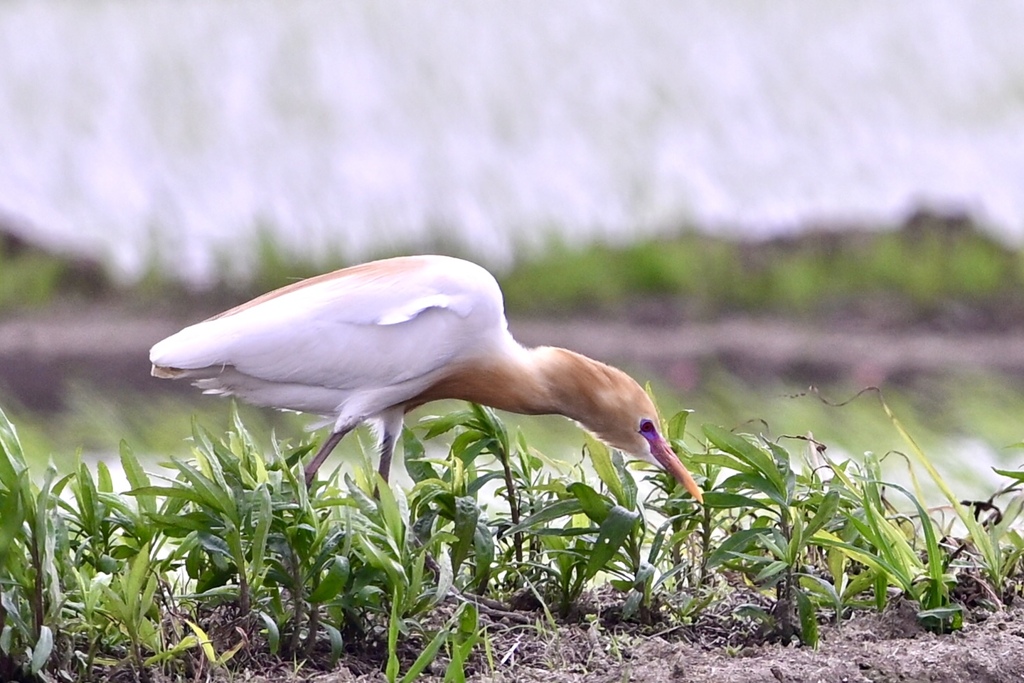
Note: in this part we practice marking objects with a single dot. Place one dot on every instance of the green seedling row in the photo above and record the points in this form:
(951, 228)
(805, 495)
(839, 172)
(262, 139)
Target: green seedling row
(225, 561)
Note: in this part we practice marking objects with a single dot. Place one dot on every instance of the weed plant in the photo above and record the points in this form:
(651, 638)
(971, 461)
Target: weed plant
(228, 561)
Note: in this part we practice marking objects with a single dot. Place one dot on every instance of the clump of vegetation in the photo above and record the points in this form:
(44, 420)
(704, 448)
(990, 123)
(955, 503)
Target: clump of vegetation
(30, 277)
(929, 268)
(229, 561)
(932, 267)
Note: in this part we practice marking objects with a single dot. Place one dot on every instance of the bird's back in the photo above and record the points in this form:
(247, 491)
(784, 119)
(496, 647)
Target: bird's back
(377, 326)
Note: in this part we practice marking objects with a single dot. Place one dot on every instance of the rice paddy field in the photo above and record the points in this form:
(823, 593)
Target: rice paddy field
(160, 535)
(800, 225)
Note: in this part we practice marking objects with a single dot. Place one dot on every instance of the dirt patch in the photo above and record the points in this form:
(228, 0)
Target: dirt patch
(867, 648)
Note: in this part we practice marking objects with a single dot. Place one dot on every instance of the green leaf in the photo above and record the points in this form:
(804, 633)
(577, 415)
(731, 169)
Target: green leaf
(629, 489)
(881, 584)
(377, 558)
(204, 642)
(808, 620)
(12, 459)
(337, 644)
(612, 534)
(440, 424)
(180, 525)
(483, 546)
(826, 512)
(137, 571)
(770, 571)
(85, 494)
(594, 505)
(756, 482)
(104, 482)
(736, 542)
(942, 619)
(601, 459)
(748, 453)
(886, 569)
(677, 425)
(466, 515)
(170, 492)
(137, 477)
(563, 508)
(445, 578)
(393, 666)
(365, 504)
(214, 544)
(482, 480)
(456, 670)
(337, 576)
(12, 516)
(416, 464)
(721, 499)
(41, 651)
(44, 531)
(1016, 475)
(774, 543)
(427, 656)
(468, 617)
(823, 587)
(211, 493)
(173, 652)
(264, 517)
(391, 511)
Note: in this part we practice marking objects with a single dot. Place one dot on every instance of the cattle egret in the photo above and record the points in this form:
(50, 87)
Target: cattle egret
(371, 342)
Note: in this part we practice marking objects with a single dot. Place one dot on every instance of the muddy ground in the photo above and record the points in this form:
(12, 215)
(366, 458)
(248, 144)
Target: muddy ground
(867, 648)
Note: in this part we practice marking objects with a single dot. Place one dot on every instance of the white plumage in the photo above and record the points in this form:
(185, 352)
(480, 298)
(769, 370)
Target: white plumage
(351, 344)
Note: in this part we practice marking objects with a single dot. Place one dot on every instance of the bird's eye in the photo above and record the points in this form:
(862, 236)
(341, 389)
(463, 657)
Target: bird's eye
(646, 427)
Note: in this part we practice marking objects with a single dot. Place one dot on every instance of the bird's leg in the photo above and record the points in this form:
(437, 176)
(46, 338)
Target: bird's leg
(387, 451)
(321, 455)
(390, 428)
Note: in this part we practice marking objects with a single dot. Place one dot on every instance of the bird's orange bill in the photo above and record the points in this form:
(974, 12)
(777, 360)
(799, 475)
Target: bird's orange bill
(664, 455)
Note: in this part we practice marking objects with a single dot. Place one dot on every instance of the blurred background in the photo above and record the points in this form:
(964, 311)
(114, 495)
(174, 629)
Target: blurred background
(733, 200)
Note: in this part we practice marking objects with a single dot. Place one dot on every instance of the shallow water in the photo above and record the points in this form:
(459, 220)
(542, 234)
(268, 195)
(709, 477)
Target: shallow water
(176, 131)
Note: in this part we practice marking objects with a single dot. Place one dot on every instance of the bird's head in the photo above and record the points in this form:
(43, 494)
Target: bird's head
(636, 431)
(609, 403)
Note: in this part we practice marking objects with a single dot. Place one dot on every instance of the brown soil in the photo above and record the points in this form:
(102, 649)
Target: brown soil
(870, 647)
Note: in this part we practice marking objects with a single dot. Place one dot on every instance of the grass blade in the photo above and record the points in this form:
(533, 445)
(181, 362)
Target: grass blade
(613, 533)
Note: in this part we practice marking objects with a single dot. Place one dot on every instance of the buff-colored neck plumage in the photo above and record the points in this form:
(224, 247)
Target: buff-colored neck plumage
(549, 380)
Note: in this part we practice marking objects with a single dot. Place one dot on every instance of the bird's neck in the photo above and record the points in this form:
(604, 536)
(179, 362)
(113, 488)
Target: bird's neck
(539, 381)
(567, 383)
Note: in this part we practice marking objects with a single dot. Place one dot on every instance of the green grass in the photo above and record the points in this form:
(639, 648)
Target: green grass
(30, 278)
(97, 582)
(925, 271)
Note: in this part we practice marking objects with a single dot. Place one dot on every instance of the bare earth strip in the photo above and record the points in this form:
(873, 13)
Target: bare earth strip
(869, 648)
(105, 331)
(111, 344)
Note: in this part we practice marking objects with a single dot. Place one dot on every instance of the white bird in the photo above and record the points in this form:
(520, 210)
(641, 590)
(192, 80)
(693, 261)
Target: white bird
(371, 342)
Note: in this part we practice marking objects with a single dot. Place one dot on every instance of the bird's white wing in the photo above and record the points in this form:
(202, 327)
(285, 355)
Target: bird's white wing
(371, 326)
